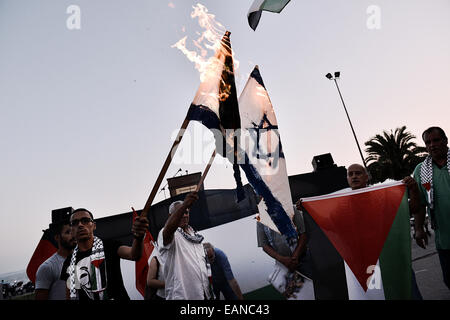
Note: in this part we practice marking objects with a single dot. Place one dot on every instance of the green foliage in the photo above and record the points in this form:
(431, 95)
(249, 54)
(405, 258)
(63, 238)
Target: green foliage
(393, 155)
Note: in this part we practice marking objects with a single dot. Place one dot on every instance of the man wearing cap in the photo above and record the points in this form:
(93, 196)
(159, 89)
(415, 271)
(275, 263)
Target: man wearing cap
(185, 270)
(49, 286)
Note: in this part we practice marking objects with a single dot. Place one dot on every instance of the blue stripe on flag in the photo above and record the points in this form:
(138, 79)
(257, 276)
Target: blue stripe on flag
(204, 115)
(274, 207)
(257, 76)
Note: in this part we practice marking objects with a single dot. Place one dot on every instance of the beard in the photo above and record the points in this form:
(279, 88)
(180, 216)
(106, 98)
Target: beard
(68, 245)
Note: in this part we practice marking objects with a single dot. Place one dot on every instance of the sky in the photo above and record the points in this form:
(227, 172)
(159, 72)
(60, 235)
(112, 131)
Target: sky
(88, 114)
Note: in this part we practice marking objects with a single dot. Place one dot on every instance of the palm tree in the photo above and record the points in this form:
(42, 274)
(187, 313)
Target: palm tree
(393, 155)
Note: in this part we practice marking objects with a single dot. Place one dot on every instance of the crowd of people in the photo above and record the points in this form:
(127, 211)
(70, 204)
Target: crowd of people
(183, 267)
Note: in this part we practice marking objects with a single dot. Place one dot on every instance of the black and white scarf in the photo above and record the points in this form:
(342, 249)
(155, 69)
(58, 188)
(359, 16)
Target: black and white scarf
(97, 289)
(195, 238)
(426, 177)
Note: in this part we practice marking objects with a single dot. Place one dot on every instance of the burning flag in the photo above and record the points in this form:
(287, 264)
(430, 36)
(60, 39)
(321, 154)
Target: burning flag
(263, 160)
(255, 11)
(215, 104)
(369, 228)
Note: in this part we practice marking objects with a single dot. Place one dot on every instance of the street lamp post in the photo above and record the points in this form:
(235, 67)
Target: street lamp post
(334, 78)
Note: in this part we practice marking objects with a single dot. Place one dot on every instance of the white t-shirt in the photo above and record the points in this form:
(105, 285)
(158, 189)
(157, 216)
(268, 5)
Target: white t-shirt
(48, 276)
(185, 272)
(160, 276)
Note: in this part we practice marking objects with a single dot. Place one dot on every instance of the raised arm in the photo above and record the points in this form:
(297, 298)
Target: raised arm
(174, 219)
(134, 253)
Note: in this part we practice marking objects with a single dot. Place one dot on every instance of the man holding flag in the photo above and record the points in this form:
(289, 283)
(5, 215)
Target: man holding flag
(358, 178)
(365, 233)
(185, 270)
(433, 180)
(93, 270)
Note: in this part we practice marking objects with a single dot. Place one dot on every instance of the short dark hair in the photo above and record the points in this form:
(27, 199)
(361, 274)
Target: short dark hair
(431, 129)
(82, 209)
(208, 245)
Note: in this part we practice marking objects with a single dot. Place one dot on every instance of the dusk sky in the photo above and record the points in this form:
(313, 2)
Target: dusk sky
(88, 111)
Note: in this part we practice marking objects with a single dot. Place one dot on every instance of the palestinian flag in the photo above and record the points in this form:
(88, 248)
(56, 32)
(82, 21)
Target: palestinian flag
(46, 247)
(141, 266)
(215, 105)
(263, 158)
(360, 243)
(258, 6)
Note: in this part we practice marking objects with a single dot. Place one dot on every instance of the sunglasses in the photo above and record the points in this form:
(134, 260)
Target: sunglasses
(84, 221)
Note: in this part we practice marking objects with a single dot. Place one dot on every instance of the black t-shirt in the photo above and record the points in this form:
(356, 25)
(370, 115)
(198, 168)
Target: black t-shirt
(114, 283)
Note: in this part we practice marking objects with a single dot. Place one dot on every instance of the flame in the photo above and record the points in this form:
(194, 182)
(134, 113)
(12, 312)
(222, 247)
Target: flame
(209, 40)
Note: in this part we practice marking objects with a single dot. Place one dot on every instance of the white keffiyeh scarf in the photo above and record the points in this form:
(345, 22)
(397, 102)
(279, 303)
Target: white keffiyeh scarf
(195, 238)
(95, 290)
(426, 177)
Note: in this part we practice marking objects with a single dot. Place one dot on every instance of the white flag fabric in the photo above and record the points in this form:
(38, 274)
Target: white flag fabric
(265, 165)
(258, 6)
(215, 105)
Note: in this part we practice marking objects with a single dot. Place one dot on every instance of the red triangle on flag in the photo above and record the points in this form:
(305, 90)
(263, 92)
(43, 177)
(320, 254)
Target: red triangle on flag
(427, 186)
(358, 225)
(97, 263)
(44, 250)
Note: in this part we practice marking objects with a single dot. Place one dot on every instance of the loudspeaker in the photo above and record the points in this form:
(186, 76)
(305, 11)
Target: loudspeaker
(61, 215)
(323, 161)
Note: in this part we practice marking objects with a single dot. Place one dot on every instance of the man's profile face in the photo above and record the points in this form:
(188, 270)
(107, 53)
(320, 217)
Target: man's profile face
(357, 177)
(210, 254)
(436, 144)
(82, 225)
(66, 238)
(185, 219)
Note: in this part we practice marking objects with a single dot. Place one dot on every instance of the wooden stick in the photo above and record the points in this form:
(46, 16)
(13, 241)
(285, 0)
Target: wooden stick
(206, 171)
(165, 167)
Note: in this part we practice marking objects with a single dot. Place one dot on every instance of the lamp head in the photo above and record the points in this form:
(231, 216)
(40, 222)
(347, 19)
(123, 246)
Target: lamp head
(337, 74)
(329, 76)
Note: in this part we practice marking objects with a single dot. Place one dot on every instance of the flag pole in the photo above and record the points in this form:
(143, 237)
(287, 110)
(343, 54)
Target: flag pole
(336, 76)
(351, 126)
(206, 171)
(163, 171)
